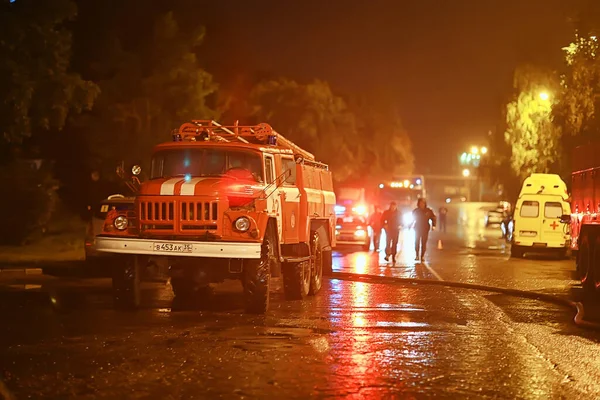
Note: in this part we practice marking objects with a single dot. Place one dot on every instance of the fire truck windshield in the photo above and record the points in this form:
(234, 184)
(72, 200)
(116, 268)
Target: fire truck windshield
(206, 162)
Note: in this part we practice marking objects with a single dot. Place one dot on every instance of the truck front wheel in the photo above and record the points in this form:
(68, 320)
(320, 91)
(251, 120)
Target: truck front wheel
(257, 280)
(126, 282)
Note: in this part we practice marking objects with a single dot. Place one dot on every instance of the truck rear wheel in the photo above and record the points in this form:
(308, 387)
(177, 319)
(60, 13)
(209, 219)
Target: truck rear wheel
(257, 280)
(584, 265)
(296, 280)
(316, 279)
(126, 282)
(327, 262)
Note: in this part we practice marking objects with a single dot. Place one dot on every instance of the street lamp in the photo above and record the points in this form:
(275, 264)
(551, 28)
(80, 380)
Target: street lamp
(544, 96)
(466, 172)
(484, 150)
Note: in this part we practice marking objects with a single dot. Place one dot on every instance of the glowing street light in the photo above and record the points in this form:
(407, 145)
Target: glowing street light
(484, 150)
(466, 173)
(544, 96)
(474, 150)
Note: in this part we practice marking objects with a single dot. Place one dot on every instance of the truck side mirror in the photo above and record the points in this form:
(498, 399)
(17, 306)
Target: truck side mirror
(565, 219)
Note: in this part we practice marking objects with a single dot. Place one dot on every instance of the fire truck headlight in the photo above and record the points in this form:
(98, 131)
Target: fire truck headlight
(407, 219)
(360, 233)
(242, 224)
(121, 223)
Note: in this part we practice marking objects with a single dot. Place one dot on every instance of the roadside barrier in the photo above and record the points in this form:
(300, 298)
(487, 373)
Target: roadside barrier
(577, 307)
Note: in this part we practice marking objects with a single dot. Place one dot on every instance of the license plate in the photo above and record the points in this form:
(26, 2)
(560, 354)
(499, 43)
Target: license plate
(172, 247)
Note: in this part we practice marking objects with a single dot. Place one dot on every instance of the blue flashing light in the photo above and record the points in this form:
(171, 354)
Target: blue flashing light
(177, 137)
(188, 177)
(418, 181)
(272, 140)
(339, 209)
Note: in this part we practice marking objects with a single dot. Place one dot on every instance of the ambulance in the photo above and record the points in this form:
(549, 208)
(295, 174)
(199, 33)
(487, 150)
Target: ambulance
(537, 224)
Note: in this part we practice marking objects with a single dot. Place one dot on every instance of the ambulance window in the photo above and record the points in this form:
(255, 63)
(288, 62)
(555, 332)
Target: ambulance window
(530, 209)
(289, 164)
(553, 210)
(269, 169)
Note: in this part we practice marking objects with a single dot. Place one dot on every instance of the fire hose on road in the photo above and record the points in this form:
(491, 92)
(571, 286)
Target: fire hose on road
(577, 307)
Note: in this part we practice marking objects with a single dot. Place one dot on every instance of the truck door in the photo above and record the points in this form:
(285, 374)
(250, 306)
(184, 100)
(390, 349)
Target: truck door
(273, 200)
(553, 230)
(289, 195)
(528, 226)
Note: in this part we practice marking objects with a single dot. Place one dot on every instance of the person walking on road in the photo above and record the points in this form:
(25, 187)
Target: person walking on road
(375, 224)
(422, 216)
(392, 222)
(443, 213)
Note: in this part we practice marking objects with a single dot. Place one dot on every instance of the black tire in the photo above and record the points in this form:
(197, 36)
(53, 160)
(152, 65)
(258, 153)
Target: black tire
(190, 295)
(316, 277)
(257, 281)
(584, 264)
(327, 262)
(516, 251)
(296, 280)
(126, 282)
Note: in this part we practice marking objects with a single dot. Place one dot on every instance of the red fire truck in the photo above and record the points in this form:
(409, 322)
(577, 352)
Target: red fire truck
(585, 214)
(227, 202)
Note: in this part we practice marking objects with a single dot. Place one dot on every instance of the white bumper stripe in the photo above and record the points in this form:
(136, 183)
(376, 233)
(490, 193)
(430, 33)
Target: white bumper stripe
(199, 249)
(168, 187)
(189, 188)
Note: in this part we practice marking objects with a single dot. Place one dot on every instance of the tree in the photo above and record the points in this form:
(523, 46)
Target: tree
(311, 116)
(147, 91)
(38, 90)
(531, 132)
(357, 139)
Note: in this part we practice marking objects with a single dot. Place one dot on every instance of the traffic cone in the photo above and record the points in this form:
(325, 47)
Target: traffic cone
(440, 246)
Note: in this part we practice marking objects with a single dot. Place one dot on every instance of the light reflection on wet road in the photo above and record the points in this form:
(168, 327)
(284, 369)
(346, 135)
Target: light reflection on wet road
(353, 340)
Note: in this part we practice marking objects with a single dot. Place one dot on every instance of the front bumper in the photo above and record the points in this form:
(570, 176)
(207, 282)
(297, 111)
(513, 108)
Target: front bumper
(152, 247)
(540, 245)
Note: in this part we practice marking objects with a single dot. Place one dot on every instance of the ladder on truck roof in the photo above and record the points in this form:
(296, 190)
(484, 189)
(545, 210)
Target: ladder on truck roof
(259, 134)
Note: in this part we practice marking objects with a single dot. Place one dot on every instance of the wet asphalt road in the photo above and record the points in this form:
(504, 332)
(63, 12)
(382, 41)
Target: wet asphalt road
(61, 337)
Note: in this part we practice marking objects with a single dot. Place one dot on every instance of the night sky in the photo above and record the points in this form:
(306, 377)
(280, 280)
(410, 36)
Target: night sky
(447, 64)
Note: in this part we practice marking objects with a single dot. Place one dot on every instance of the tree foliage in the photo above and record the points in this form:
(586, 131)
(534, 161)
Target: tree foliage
(38, 90)
(531, 132)
(152, 89)
(356, 145)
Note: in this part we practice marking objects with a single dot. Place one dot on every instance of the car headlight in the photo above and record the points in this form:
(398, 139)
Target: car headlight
(242, 224)
(360, 233)
(407, 219)
(121, 223)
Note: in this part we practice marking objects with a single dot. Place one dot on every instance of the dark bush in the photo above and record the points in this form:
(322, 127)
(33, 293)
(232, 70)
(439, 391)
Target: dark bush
(28, 200)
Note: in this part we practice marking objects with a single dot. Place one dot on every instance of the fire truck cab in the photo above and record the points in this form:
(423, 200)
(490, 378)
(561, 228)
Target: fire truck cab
(227, 202)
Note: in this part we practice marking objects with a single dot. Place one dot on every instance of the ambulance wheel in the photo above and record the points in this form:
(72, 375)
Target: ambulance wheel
(189, 295)
(296, 279)
(327, 263)
(126, 282)
(257, 280)
(316, 279)
(516, 251)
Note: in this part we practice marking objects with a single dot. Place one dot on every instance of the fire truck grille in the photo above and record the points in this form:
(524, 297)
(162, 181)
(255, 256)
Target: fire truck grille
(198, 215)
(157, 211)
(181, 216)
